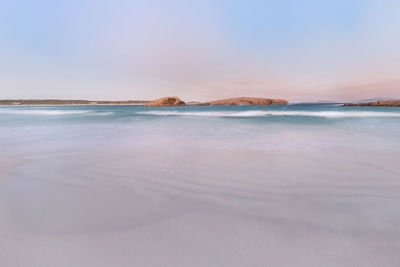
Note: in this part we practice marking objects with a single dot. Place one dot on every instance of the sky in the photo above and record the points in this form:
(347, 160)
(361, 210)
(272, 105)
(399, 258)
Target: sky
(304, 50)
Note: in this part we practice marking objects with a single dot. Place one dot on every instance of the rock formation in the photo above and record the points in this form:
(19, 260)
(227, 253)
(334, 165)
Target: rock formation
(380, 103)
(166, 102)
(247, 101)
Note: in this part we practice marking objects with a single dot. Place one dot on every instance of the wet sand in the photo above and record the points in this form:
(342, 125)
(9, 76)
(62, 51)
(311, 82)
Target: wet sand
(167, 193)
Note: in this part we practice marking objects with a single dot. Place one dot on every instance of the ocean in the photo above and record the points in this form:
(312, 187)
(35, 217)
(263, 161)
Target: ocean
(296, 185)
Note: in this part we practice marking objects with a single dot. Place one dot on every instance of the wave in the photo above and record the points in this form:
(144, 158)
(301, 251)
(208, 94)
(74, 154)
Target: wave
(52, 112)
(102, 113)
(248, 113)
(261, 113)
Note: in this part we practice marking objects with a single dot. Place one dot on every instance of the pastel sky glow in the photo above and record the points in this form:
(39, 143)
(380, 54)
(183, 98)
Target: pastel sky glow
(300, 50)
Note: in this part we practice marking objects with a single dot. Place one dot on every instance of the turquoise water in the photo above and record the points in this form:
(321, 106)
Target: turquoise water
(297, 185)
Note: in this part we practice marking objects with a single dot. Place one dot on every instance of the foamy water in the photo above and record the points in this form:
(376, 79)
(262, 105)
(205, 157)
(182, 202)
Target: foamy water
(33, 111)
(300, 185)
(258, 113)
(41, 112)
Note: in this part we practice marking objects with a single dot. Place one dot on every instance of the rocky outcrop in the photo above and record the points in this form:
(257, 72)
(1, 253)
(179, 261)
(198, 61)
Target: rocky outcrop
(166, 102)
(175, 101)
(248, 101)
(381, 103)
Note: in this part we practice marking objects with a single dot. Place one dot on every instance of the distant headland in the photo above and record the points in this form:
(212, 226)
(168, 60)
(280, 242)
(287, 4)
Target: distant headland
(379, 103)
(45, 102)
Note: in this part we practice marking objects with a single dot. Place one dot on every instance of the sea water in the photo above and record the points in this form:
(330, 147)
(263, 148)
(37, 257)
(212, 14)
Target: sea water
(296, 185)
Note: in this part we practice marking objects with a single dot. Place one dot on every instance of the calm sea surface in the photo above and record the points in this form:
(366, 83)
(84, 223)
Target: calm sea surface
(297, 185)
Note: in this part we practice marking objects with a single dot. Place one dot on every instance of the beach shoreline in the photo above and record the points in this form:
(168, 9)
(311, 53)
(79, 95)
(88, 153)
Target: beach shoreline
(47, 105)
(226, 185)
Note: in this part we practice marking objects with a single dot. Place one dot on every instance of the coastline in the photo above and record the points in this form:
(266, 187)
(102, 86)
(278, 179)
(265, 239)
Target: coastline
(175, 101)
(30, 105)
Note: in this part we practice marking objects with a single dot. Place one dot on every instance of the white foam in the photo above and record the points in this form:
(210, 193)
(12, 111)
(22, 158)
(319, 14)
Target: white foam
(52, 112)
(258, 113)
(102, 113)
(42, 112)
(334, 114)
(250, 113)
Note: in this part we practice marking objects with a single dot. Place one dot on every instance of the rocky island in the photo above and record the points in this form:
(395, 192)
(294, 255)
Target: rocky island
(379, 103)
(169, 101)
(176, 101)
(257, 101)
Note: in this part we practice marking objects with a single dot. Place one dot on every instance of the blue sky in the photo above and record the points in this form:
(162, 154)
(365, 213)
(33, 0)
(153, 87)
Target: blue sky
(199, 50)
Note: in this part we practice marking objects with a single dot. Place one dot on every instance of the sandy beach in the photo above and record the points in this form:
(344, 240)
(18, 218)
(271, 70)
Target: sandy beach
(199, 133)
(136, 189)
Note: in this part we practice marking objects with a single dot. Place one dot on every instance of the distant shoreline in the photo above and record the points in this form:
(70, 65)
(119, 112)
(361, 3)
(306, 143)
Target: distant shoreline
(59, 102)
(30, 105)
(229, 101)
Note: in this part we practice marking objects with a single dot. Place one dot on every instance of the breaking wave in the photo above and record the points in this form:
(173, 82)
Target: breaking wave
(260, 113)
(52, 112)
